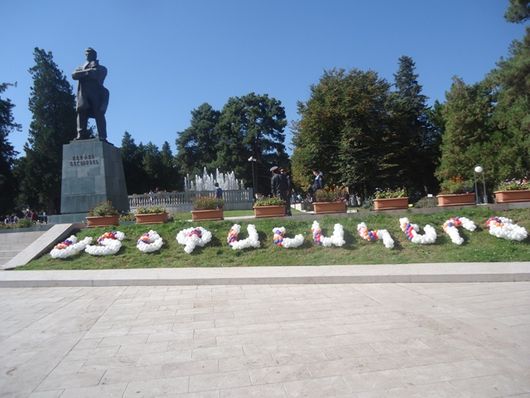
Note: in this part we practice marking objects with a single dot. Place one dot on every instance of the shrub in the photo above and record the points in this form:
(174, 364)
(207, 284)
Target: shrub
(274, 201)
(207, 203)
(514, 185)
(330, 194)
(391, 193)
(456, 185)
(103, 209)
(151, 210)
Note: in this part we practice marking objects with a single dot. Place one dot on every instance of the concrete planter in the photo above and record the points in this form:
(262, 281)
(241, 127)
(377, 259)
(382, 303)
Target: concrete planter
(153, 218)
(329, 207)
(391, 203)
(269, 211)
(458, 199)
(203, 215)
(522, 195)
(102, 221)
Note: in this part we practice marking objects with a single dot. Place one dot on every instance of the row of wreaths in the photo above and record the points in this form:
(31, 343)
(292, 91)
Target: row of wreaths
(110, 242)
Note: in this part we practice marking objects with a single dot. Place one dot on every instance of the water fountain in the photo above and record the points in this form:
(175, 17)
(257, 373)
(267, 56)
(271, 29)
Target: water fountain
(227, 181)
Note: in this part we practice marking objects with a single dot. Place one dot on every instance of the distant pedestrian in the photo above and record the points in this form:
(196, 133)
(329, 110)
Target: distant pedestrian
(288, 190)
(218, 191)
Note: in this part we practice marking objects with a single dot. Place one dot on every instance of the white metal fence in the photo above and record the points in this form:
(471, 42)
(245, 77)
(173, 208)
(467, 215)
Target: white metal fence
(182, 201)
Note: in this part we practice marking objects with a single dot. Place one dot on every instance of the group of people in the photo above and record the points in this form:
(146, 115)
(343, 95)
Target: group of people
(281, 187)
(26, 214)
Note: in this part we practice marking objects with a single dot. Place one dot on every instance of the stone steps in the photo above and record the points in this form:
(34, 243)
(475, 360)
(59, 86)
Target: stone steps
(12, 243)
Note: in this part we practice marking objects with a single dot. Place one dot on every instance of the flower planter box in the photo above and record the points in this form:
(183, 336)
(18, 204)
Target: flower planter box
(269, 211)
(203, 215)
(102, 221)
(153, 218)
(522, 195)
(458, 199)
(329, 207)
(391, 204)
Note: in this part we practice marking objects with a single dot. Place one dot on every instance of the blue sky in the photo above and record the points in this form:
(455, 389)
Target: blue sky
(165, 58)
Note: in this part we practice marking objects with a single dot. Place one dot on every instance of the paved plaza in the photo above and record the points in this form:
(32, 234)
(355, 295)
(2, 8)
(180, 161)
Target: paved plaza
(334, 340)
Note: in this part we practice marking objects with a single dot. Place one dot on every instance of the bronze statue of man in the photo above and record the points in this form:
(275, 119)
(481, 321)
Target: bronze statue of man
(92, 97)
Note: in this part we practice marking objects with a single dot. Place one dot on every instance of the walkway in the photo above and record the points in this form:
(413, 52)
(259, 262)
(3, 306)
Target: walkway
(308, 340)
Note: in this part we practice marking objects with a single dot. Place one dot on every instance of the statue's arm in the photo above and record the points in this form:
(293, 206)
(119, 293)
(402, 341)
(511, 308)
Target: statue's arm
(81, 73)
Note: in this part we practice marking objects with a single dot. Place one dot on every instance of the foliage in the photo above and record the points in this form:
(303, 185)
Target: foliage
(272, 201)
(332, 194)
(7, 153)
(518, 11)
(195, 144)
(103, 209)
(456, 185)
(151, 210)
(132, 155)
(207, 203)
(391, 193)
(480, 246)
(513, 185)
(53, 125)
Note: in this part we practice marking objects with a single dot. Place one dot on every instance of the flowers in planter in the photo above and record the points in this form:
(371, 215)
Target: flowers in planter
(207, 203)
(149, 242)
(280, 239)
(333, 194)
(502, 227)
(373, 235)
(107, 244)
(70, 247)
(451, 228)
(391, 193)
(251, 241)
(193, 237)
(411, 231)
(337, 239)
(514, 185)
(274, 201)
(103, 209)
(456, 185)
(151, 210)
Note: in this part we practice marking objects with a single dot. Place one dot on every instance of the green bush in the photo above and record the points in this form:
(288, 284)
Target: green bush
(207, 203)
(456, 185)
(103, 209)
(330, 194)
(151, 210)
(274, 201)
(391, 193)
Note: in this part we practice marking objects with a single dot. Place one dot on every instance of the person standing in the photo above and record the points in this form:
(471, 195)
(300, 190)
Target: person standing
(288, 190)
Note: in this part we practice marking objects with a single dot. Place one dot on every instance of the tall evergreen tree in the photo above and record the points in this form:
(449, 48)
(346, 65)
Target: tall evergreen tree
(53, 124)
(518, 11)
(171, 179)
(252, 125)
(195, 144)
(7, 153)
(132, 156)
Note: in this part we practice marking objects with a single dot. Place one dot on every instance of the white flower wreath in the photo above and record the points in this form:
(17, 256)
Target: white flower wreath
(70, 247)
(502, 227)
(336, 239)
(149, 242)
(193, 237)
(251, 241)
(373, 235)
(280, 239)
(411, 231)
(107, 244)
(451, 228)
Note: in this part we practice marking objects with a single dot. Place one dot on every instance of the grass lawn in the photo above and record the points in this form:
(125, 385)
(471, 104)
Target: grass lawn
(478, 245)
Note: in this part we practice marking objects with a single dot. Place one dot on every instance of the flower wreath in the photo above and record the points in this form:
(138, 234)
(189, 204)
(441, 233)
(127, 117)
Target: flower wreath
(149, 242)
(70, 247)
(411, 231)
(280, 239)
(502, 227)
(107, 244)
(336, 239)
(251, 241)
(373, 235)
(451, 228)
(193, 237)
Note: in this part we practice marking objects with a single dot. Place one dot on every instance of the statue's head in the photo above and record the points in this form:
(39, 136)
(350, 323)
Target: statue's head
(91, 54)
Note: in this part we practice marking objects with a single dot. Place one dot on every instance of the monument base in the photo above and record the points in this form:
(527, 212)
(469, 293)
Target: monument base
(92, 173)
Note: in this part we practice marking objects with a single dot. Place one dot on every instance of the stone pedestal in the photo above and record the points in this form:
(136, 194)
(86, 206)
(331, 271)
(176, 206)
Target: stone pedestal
(92, 173)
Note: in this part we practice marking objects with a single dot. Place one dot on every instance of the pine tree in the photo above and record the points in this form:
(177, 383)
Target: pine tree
(132, 156)
(53, 124)
(7, 153)
(171, 179)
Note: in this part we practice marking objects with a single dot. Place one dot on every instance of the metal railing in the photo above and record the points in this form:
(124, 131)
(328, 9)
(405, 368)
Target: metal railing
(183, 201)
